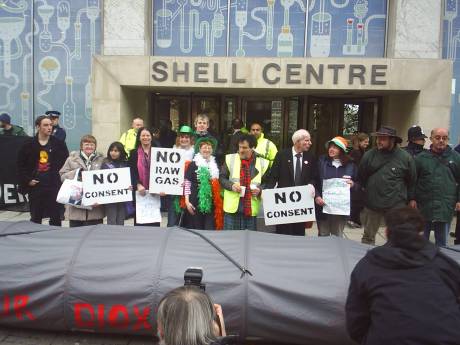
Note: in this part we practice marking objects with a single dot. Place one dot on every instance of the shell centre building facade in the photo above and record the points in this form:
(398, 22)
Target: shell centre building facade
(334, 67)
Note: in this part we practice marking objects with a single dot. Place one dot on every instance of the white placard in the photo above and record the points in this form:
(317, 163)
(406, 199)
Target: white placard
(167, 171)
(336, 196)
(148, 208)
(106, 186)
(288, 205)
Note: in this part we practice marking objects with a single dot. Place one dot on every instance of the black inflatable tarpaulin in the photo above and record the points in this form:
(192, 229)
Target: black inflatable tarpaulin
(109, 279)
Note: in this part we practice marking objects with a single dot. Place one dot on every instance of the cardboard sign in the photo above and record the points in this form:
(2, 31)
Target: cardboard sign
(106, 186)
(336, 196)
(167, 171)
(288, 205)
(148, 208)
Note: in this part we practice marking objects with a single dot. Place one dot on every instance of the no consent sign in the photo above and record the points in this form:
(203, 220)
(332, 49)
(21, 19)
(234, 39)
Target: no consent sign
(288, 205)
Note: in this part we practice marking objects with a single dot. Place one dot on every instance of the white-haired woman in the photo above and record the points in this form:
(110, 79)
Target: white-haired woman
(187, 315)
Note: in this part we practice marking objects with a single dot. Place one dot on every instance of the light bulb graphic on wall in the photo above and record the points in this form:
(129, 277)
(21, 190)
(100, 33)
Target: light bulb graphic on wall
(49, 68)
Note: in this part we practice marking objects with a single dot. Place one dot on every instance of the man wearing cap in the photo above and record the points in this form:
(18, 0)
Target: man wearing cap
(295, 166)
(8, 129)
(437, 193)
(243, 177)
(265, 148)
(388, 176)
(416, 139)
(128, 138)
(58, 132)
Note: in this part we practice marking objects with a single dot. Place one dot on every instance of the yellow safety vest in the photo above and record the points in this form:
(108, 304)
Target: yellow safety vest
(266, 149)
(231, 198)
(128, 139)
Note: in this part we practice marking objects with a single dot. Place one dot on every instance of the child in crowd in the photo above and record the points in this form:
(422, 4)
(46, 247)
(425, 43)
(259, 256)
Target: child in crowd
(116, 158)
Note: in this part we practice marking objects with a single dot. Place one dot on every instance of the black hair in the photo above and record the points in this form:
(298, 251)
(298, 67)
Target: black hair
(252, 141)
(119, 146)
(256, 123)
(237, 123)
(138, 136)
(404, 226)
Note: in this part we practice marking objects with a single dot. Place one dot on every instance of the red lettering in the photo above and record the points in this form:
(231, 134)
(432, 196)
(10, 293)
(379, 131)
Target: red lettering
(142, 319)
(100, 315)
(20, 305)
(6, 305)
(113, 315)
(80, 323)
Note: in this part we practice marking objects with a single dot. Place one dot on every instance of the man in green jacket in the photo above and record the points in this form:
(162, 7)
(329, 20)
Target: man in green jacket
(388, 176)
(8, 129)
(437, 193)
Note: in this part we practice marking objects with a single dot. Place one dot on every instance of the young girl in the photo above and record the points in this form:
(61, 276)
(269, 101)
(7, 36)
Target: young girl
(116, 158)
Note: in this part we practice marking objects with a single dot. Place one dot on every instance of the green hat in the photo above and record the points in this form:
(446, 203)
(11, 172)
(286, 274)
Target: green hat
(210, 140)
(186, 130)
(341, 142)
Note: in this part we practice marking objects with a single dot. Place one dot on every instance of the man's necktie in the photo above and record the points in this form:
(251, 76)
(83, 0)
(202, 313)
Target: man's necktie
(298, 170)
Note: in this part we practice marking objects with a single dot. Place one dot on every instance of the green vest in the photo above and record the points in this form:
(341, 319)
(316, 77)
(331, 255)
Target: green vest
(231, 198)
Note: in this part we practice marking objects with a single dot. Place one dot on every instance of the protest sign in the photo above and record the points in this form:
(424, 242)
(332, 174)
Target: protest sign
(288, 205)
(167, 171)
(336, 196)
(106, 186)
(147, 208)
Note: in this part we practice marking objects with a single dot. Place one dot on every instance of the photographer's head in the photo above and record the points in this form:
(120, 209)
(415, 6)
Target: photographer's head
(405, 227)
(186, 317)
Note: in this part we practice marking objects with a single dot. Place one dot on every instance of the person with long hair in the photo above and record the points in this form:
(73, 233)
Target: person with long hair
(116, 158)
(360, 142)
(139, 163)
(336, 164)
(184, 141)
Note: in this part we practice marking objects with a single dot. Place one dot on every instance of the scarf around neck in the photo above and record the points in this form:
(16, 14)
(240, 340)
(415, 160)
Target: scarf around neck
(143, 167)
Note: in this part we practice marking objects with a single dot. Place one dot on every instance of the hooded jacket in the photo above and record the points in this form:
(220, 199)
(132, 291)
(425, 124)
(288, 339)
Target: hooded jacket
(404, 292)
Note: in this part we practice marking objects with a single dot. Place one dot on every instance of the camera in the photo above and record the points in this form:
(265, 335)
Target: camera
(193, 277)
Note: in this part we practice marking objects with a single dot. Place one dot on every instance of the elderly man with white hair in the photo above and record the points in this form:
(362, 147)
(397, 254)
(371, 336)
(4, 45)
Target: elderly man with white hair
(295, 166)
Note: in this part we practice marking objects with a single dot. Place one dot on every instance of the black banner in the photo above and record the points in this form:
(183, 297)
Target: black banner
(10, 199)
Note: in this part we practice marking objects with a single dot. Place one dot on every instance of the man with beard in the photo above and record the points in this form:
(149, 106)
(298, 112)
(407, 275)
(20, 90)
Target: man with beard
(388, 175)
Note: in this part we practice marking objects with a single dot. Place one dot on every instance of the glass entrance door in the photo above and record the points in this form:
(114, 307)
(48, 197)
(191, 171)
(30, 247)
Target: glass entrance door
(269, 113)
(329, 117)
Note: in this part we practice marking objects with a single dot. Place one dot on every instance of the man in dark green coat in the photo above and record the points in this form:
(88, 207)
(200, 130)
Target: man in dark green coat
(388, 176)
(437, 193)
(6, 128)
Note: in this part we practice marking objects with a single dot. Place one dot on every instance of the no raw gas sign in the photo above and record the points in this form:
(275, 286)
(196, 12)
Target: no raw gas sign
(167, 171)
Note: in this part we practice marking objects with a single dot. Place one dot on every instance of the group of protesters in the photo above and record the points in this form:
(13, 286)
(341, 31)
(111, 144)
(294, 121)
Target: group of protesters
(223, 186)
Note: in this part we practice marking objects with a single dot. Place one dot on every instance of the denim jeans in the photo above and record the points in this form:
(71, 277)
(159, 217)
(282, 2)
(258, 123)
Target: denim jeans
(441, 232)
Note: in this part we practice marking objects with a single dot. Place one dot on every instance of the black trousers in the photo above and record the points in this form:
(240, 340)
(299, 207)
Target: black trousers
(201, 221)
(43, 204)
(77, 223)
(294, 229)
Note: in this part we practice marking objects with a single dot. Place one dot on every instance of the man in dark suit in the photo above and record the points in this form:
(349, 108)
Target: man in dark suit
(295, 166)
